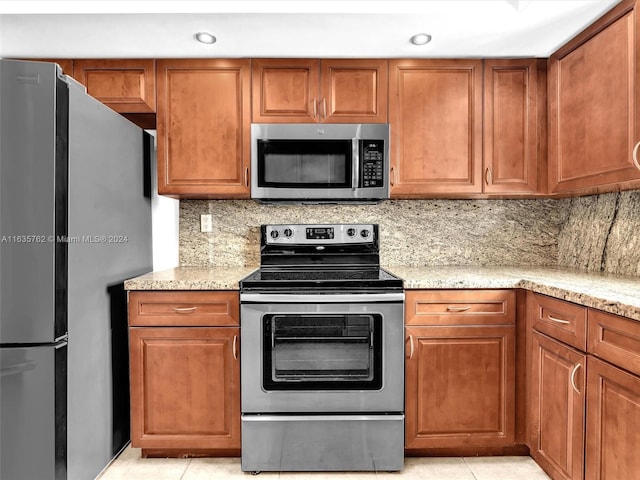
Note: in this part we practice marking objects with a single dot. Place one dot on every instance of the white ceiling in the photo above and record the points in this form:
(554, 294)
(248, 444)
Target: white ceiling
(359, 28)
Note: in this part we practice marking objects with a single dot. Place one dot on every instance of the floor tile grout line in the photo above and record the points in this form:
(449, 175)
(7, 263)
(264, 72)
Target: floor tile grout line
(473, 474)
(184, 472)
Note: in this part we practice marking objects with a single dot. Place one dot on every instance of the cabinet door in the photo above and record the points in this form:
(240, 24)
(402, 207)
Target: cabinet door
(353, 91)
(613, 422)
(594, 105)
(512, 123)
(460, 387)
(285, 90)
(127, 86)
(435, 112)
(557, 394)
(203, 128)
(185, 388)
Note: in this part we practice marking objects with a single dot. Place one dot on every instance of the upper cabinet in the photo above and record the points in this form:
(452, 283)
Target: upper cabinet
(435, 111)
(127, 86)
(455, 133)
(203, 128)
(514, 125)
(325, 91)
(594, 106)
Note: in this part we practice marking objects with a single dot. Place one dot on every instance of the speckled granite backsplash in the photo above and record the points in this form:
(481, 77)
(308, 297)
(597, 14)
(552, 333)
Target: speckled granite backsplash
(601, 233)
(413, 232)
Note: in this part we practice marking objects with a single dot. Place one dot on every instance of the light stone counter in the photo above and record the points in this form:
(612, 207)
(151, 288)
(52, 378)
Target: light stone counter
(611, 293)
(191, 278)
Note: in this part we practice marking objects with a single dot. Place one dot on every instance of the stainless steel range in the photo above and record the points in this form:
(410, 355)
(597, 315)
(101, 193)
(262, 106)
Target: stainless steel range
(322, 360)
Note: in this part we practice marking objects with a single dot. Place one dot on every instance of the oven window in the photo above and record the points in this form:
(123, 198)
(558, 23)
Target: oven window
(322, 352)
(304, 163)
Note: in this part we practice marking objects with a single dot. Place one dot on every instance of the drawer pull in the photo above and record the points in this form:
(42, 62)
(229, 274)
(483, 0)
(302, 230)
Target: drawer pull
(558, 320)
(573, 378)
(184, 309)
(451, 308)
(235, 347)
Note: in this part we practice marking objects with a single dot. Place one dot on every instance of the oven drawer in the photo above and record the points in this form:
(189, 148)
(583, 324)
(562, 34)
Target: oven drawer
(322, 442)
(561, 320)
(184, 309)
(460, 307)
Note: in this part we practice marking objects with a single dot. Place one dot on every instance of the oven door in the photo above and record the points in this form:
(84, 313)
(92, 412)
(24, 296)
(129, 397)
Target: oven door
(320, 355)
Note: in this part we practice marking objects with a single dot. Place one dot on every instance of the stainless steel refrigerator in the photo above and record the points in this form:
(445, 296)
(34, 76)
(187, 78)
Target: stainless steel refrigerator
(75, 222)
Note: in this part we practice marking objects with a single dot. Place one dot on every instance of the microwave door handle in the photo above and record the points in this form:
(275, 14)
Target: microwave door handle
(355, 144)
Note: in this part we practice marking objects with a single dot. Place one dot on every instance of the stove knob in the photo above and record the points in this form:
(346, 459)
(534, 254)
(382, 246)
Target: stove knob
(288, 232)
(274, 234)
(351, 232)
(365, 233)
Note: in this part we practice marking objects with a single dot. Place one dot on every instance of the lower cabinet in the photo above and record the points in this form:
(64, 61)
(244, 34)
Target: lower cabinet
(185, 380)
(557, 408)
(613, 422)
(460, 371)
(584, 406)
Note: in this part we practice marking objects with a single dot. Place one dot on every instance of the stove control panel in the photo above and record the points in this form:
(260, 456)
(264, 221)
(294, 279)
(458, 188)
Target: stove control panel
(319, 234)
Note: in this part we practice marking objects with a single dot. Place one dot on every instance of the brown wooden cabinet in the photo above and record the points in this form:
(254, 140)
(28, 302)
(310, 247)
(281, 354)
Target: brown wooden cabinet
(556, 340)
(435, 113)
(613, 422)
(127, 86)
(439, 126)
(514, 126)
(557, 407)
(203, 128)
(325, 91)
(460, 369)
(185, 373)
(594, 106)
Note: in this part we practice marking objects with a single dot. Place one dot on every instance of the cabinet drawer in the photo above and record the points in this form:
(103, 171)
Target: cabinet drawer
(184, 308)
(460, 307)
(561, 320)
(615, 339)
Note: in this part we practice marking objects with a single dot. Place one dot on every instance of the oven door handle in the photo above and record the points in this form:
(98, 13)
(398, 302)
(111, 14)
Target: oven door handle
(328, 298)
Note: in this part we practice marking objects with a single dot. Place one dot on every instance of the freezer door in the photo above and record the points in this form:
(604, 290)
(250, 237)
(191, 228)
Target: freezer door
(33, 165)
(33, 411)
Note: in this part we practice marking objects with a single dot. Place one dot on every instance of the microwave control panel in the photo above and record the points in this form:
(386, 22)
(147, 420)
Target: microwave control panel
(371, 163)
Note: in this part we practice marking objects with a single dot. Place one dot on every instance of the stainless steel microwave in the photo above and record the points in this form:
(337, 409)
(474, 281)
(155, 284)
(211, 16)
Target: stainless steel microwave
(320, 162)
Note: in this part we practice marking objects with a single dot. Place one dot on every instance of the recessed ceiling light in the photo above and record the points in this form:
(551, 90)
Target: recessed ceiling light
(420, 39)
(205, 37)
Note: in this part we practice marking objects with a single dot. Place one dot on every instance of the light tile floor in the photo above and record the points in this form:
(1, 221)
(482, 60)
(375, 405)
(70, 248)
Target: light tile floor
(129, 466)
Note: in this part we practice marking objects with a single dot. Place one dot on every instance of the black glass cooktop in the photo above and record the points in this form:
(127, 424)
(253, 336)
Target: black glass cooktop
(292, 280)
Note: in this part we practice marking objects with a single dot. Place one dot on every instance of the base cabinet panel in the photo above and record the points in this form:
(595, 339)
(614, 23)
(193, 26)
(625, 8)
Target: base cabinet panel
(460, 387)
(557, 408)
(185, 387)
(613, 422)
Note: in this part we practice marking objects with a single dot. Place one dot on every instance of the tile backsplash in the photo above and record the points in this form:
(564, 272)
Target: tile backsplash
(413, 232)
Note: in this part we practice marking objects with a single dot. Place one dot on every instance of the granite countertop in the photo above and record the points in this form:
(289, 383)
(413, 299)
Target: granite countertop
(611, 293)
(191, 278)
